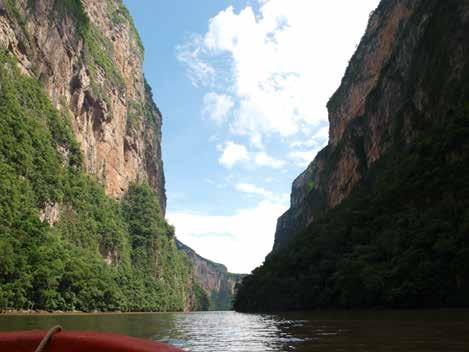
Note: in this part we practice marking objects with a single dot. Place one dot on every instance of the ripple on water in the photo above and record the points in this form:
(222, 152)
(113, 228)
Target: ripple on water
(396, 331)
(230, 331)
(342, 331)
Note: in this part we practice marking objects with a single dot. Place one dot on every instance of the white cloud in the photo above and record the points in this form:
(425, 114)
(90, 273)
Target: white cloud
(283, 62)
(264, 159)
(199, 71)
(253, 189)
(304, 143)
(240, 241)
(322, 134)
(232, 154)
(319, 139)
(279, 65)
(217, 107)
(303, 158)
(304, 151)
(210, 181)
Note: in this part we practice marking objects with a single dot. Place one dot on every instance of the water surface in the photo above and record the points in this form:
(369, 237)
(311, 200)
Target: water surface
(406, 331)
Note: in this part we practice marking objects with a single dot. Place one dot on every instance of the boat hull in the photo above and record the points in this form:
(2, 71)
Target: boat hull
(79, 342)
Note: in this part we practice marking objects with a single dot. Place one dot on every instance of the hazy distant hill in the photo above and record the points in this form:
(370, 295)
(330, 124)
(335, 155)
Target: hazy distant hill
(215, 280)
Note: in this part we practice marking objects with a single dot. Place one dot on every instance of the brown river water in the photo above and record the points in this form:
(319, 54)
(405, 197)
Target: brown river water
(406, 331)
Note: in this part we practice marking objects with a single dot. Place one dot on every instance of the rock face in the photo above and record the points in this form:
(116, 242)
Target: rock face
(88, 56)
(380, 217)
(387, 90)
(213, 278)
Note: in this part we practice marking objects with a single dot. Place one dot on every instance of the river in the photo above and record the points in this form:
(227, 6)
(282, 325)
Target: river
(406, 331)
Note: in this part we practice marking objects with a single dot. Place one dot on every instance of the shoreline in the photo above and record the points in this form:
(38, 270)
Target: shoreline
(75, 313)
(311, 312)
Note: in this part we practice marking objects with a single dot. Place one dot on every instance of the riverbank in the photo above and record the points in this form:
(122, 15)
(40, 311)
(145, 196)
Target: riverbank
(75, 313)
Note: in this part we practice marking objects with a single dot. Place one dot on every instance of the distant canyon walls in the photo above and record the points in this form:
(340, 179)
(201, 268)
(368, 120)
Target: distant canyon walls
(218, 284)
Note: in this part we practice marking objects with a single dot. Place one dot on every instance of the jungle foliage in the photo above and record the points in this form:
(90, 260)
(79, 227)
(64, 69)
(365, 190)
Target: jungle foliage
(61, 266)
(400, 240)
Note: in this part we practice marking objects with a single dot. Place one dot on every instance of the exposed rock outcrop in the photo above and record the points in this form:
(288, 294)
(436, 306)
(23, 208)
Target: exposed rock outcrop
(89, 59)
(387, 90)
(75, 104)
(213, 278)
(380, 217)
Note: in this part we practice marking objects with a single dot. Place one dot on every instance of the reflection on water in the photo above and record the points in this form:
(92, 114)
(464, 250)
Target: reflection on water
(408, 331)
(229, 331)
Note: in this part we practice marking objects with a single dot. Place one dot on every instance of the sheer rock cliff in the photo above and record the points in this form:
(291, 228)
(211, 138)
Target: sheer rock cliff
(89, 58)
(218, 284)
(380, 218)
(388, 89)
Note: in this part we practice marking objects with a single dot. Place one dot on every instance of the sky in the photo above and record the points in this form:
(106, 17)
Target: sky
(243, 87)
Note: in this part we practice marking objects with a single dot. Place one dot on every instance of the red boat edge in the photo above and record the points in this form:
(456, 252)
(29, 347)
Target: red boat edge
(70, 341)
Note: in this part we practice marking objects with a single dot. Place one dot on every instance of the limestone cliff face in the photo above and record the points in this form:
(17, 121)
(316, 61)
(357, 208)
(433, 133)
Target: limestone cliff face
(387, 90)
(89, 58)
(213, 278)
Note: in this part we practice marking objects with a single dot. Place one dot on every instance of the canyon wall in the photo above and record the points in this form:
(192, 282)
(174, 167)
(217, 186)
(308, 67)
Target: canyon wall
(88, 56)
(214, 279)
(82, 181)
(387, 90)
(380, 217)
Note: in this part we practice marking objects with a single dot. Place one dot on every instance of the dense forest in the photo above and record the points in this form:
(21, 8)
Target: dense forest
(57, 264)
(400, 240)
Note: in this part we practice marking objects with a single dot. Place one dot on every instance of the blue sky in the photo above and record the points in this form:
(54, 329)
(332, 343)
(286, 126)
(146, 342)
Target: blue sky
(242, 86)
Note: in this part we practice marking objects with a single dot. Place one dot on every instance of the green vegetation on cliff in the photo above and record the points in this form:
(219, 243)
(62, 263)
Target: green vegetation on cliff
(61, 267)
(400, 240)
(98, 50)
(401, 237)
(215, 285)
(202, 301)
